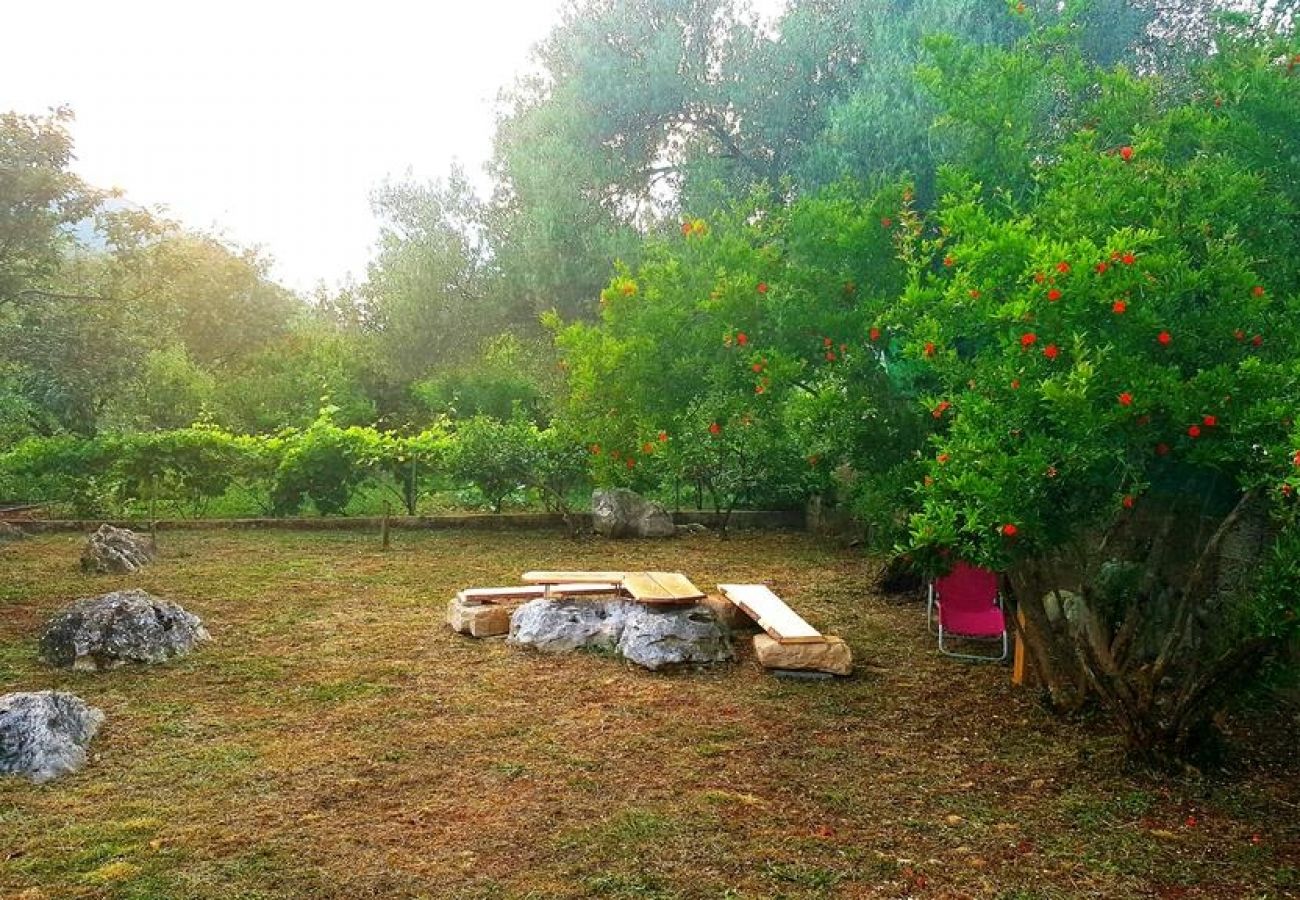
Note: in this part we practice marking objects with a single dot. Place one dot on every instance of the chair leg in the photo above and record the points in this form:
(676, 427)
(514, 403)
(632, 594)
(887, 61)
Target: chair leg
(975, 657)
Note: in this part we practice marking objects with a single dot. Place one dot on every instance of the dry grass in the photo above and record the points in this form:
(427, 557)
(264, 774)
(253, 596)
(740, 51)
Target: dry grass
(335, 740)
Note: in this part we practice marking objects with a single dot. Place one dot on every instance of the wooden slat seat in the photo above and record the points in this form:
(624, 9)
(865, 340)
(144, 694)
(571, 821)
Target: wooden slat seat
(532, 592)
(644, 587)
(781, 623)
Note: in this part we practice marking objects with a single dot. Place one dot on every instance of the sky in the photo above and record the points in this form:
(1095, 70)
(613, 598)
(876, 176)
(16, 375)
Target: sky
(271, 122)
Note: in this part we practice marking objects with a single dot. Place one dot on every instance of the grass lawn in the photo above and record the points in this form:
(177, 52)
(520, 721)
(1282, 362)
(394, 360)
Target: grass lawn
(336, 740)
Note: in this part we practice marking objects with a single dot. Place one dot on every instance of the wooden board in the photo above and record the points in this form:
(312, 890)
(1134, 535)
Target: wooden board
(573, 577)
(533, 591)
(661, 587)
(782, 623)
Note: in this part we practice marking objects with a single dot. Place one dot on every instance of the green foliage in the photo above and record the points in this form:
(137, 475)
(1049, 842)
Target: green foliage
(495, 456)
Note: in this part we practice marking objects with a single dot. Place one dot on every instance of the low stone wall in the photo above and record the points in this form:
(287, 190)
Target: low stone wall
(741, 520)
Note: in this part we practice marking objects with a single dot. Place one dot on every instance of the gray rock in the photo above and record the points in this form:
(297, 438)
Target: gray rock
(122, 627)
(116, 551)
(620, 513)
(44, 734)
(667, 637)
(561, 626)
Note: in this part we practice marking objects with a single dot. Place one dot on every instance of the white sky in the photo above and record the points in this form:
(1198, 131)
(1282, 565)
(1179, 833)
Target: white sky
(271, 122)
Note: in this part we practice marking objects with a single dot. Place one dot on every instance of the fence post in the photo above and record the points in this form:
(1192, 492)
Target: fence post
(383, 527)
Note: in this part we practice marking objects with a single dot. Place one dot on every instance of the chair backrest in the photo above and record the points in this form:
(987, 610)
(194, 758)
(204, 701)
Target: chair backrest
(967, 588)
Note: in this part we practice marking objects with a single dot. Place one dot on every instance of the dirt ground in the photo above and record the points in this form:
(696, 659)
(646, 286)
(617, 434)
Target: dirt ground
(335, 740)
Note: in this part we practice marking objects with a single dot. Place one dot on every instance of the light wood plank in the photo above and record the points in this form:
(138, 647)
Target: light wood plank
(533, 591)
(781, 622)
(661, 587)
(573, 577)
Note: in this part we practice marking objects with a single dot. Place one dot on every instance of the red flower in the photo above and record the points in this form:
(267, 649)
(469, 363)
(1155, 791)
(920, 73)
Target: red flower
(1051, 351)
(949, 262)
(1028, 339)
(741, 338)
(974, 294)
(1296, 459)
(827, 342)
(687, 228)
(1054, 295)
(1257, 340)
(1063, 267)
(1126, 399)
(1239, 334)
(939, 410)
(1210, 421)
(663, 437)
(943, 458)
(929, 348)
(830, 356)
(1165, 338)
(1119, 307)
(1128, 501)
(630, 462)
(1039, 277)
(1162, 449)
(886, 222)
(647, 447)
(1194, 431)
(762, 287)
(1010, 530)
(1128, 259)
(1015, 384)
(1191, 822)
(1258, 290)
(1126, 153)
(715, 428)
(874, 334)
(1102, 267)
(595, 449)
(759, 389)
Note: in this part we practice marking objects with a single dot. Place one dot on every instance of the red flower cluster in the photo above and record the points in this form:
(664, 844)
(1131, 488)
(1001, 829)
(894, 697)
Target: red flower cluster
(1194, 431)
(1119, 307)
(1128, 501)
(1053, 295)
(1010, 530)
(1128, 259)
(1051, 351)
(1210, 421)
(942, 408)
(1165, 338)
(1028, 339)
(949, 262)
(715, 428)
(874, 334)
(929, 348)
(663, 437)
(1258, 290)
(1126, 153)
(741, 338)
(762, 287)
(1126, 399)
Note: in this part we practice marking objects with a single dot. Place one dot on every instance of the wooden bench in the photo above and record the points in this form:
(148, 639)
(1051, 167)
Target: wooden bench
(781, 623)
(533, 591)
(644, 587)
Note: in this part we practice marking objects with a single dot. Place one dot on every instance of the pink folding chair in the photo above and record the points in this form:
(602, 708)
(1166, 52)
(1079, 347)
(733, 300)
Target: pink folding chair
(965, 604)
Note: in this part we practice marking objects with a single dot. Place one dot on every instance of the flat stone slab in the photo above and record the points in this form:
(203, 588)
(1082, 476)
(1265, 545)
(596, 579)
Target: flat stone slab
(44, 734)
(832, 656)
(118, 628)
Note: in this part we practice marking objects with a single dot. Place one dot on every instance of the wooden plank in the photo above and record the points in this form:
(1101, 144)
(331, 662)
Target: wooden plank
(533, 591)
(661, 587)
(781, 622)
(573, 577)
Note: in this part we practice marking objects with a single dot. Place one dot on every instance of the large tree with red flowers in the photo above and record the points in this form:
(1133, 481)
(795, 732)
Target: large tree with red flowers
(1113, 350)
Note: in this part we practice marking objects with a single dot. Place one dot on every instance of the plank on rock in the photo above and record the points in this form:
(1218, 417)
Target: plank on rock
(661, 587)
(781, 622)
(573, 577)
(530, 592)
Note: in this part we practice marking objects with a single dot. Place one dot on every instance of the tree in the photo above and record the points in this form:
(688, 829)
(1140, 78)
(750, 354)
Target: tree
(1112, 363)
